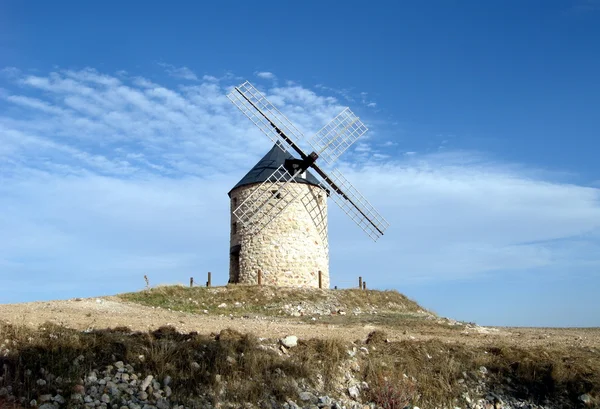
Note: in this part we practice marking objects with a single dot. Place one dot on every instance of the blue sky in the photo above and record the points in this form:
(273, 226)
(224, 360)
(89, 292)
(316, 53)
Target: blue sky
(118, 145)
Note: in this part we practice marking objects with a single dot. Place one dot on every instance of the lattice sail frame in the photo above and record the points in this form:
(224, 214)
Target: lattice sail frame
(337, 136)
(267, 201)
(369, 220)
(256, 103)
(255, 213)
(317, 213)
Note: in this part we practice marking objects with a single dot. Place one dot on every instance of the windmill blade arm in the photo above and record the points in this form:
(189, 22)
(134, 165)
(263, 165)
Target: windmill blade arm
(353, 203)
(337, 136)
(252, 103)
(268, 200)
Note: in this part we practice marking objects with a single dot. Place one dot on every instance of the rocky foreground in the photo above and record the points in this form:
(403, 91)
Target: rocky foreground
(120, 386)
(177, 351)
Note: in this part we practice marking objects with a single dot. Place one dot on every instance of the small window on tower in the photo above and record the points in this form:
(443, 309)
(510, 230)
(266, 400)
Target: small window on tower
(234, 203)
(277, 196)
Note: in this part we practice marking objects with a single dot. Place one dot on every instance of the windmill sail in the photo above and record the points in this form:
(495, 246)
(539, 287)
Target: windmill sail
(265, 116)
(259, 209)
(349, 199)
(266, 202)
(337, 136)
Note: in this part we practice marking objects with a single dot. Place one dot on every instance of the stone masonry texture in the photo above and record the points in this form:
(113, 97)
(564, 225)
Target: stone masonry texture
(291, 250)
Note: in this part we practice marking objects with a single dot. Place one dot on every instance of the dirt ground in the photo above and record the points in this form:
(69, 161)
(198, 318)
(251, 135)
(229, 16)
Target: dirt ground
(110, 312)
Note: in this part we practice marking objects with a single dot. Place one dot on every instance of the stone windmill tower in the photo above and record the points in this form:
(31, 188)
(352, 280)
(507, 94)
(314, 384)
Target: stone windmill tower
(292, 248)
(279, 209)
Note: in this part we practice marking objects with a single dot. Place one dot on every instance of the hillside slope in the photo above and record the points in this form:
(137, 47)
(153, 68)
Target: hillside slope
(227, 347)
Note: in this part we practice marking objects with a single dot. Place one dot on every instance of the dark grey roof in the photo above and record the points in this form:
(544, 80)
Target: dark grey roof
(267, 165)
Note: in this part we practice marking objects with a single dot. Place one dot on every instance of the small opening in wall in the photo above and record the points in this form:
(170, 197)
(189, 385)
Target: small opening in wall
(277, 196)
(234, 203)
(234, 228)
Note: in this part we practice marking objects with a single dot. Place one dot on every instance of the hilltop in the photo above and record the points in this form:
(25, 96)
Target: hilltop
(279, 347)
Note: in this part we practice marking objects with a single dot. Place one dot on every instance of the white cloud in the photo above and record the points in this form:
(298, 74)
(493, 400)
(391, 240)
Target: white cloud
(179, 72)
(104, 179)
(265, 75)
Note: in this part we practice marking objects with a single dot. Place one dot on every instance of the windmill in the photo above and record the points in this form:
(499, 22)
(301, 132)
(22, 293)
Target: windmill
(281, 190)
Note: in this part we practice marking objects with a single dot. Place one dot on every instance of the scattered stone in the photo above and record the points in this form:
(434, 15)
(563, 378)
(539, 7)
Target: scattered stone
(354, 392)
(146, 382)
(45, 398)
(290, 341)
(308, 397)
(585, 398)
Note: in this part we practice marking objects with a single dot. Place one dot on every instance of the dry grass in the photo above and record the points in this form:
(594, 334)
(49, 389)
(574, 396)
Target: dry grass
(227, 367)
(270, 301)
(235, 367)
(432, 372)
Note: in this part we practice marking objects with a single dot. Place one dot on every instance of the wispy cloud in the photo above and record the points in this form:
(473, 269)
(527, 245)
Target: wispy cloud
(265, 75)
(104, 178)
(179, 72)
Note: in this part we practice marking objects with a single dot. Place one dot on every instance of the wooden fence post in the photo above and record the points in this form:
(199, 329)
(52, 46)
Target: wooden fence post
(364, 285)
(320, 279)
(191, 281)
(360, 284)
(259, 277)
(208, 283)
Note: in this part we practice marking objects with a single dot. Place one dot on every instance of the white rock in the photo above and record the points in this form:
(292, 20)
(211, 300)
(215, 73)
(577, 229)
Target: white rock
(162, 403)
(45, 398)
(290, 341)
(223, 305)
(146, 382)
(354, 392)
(105, 398)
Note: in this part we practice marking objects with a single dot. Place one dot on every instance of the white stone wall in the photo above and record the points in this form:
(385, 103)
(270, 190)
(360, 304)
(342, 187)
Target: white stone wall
(292, 249)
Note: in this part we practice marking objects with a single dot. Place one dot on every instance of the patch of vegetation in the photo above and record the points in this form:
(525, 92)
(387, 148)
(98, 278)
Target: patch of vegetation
(238, 364)
(432, 372)
(235, 367)
(270, 301)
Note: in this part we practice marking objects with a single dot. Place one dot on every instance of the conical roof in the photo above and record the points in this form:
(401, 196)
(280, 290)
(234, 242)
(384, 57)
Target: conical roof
(267, 165)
